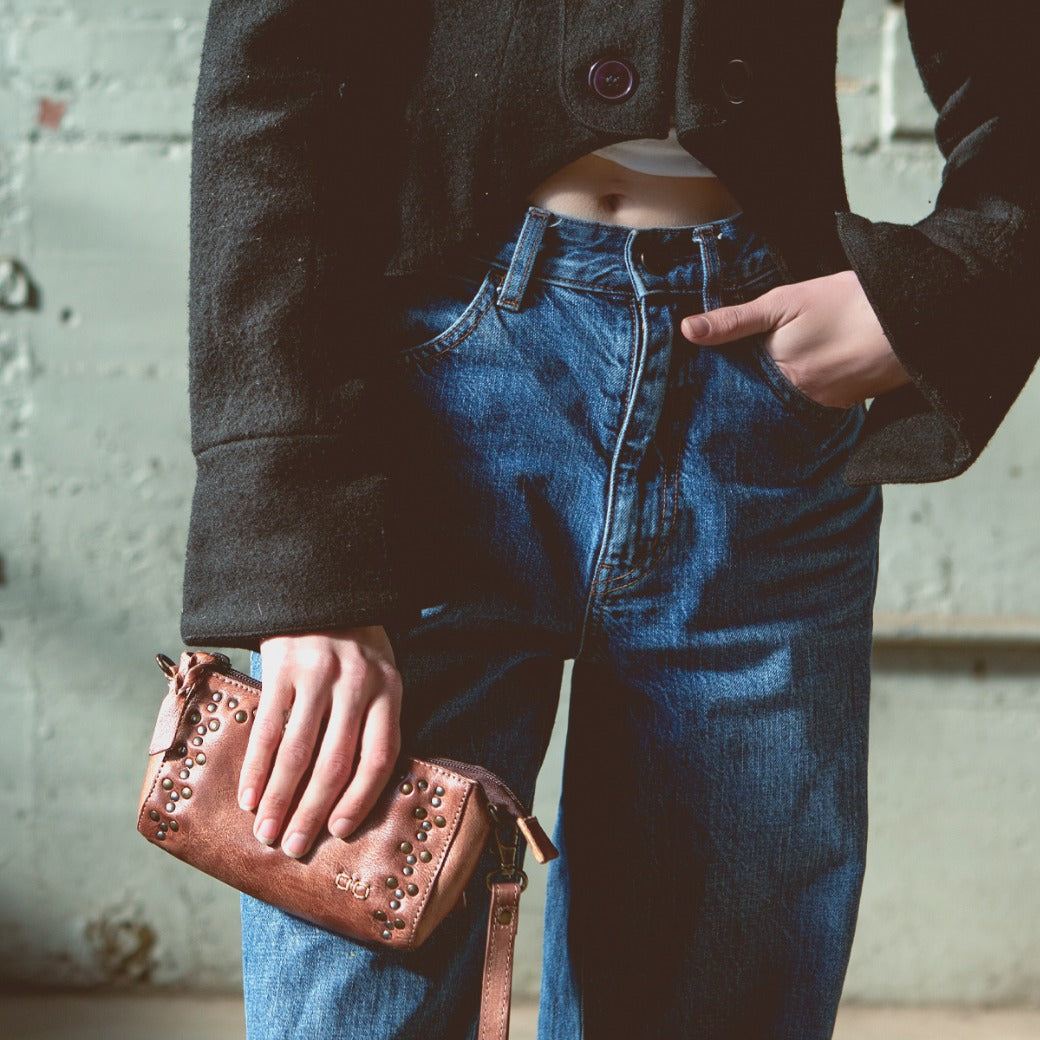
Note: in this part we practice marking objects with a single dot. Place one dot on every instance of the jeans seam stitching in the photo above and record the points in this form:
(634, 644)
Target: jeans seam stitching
(429, 352)
(633, 381)
(523, 276)
(656, 550)
(569, 283)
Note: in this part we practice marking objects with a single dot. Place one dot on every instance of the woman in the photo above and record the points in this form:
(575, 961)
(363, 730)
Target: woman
(473, 395)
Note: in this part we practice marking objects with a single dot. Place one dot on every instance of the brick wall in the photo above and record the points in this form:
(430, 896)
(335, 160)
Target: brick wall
(95, 479)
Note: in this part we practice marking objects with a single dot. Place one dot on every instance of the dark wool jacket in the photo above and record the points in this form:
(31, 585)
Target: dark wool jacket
(340, 144)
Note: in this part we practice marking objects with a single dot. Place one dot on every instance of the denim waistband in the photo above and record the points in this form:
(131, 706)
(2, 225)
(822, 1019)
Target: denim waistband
(621, 259)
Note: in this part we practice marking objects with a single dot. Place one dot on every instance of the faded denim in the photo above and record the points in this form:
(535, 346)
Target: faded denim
(675, 519)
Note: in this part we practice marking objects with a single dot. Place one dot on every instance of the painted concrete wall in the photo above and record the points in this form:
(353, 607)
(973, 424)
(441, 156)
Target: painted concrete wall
(95, 478)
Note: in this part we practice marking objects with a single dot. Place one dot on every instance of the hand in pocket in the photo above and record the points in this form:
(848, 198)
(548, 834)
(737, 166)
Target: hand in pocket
(822, 333)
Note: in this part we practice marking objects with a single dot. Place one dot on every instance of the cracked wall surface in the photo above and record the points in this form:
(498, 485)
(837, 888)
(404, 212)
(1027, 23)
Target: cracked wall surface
(95, 482)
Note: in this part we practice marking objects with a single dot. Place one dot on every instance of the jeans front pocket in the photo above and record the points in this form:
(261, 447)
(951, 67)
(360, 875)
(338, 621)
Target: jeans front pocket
(793, 397)
(435, 312)
(794, 400)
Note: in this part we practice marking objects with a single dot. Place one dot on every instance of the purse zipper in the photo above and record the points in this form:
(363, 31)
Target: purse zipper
(222, 664)
(495, 787)
(500, 797)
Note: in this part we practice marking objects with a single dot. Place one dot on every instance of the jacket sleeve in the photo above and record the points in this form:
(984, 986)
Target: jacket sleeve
(287, 529)
(955, 293)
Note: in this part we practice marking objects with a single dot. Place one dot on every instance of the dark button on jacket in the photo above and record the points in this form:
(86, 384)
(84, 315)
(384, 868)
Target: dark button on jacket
(736, 81)
(612, 79)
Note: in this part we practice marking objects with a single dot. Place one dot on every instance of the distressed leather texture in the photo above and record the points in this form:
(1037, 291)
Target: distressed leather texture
(188, 808)
(498, 961)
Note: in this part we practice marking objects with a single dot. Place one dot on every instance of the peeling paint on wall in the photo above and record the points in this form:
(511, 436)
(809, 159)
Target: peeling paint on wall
(122, 949)
(50, 113)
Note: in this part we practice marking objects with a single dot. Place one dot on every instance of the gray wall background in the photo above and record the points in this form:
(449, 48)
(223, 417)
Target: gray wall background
(95, 479)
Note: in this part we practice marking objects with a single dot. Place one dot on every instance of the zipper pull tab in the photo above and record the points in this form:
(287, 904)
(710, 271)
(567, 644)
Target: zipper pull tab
(500, 797)
(537, 840)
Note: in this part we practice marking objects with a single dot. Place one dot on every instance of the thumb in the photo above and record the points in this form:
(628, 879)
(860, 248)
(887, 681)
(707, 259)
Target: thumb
(725, 324)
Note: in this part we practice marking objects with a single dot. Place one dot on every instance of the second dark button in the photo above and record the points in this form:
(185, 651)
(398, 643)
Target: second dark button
(612, 79)
(736, 81)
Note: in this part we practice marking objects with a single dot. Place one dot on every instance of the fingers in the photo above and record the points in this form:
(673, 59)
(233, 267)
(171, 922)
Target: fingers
(292, 760)
(366, 701)
(380, 746)
(325, 697)
(265, 737)
(726, 324)
(822, 333)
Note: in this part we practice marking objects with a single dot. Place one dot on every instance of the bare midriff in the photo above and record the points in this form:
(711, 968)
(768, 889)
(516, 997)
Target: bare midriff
(594, 188)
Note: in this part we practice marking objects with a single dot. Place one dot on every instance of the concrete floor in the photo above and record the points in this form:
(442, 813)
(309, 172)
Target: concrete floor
(182, 1017)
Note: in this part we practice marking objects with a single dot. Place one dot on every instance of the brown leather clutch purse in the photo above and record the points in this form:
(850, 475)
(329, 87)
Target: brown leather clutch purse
(390, 883)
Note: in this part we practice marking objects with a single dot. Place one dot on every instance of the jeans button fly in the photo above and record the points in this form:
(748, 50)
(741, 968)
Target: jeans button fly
(660, 257)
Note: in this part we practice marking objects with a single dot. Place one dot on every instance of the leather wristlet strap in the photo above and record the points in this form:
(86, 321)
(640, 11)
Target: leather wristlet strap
(498, 960)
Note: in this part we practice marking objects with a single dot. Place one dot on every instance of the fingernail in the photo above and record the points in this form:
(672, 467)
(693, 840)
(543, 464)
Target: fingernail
(696, 327)
(267, 832)
(342, 827)
(295, 845)
(247, 799)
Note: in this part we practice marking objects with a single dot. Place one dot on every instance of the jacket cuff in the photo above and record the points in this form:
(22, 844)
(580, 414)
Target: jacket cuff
(283, 539)
(929, 300)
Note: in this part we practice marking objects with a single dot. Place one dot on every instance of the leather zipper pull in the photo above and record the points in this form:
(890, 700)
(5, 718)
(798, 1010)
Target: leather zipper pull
(499, 794)
(537, 840)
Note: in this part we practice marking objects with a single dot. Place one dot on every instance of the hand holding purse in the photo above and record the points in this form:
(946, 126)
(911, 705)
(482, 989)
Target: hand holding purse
(390, 883)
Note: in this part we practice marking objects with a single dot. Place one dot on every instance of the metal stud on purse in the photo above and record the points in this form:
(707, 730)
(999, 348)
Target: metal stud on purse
(390, 883)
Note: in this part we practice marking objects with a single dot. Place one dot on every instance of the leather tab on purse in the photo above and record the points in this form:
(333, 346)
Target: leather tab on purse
(496, 989)
(537, 840)
(166, 725)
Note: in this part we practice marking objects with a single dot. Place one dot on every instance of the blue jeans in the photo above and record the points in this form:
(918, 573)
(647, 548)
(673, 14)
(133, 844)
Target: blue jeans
(675, 519)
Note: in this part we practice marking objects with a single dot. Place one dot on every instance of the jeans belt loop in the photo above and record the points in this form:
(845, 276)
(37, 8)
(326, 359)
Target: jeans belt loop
(511, 292)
